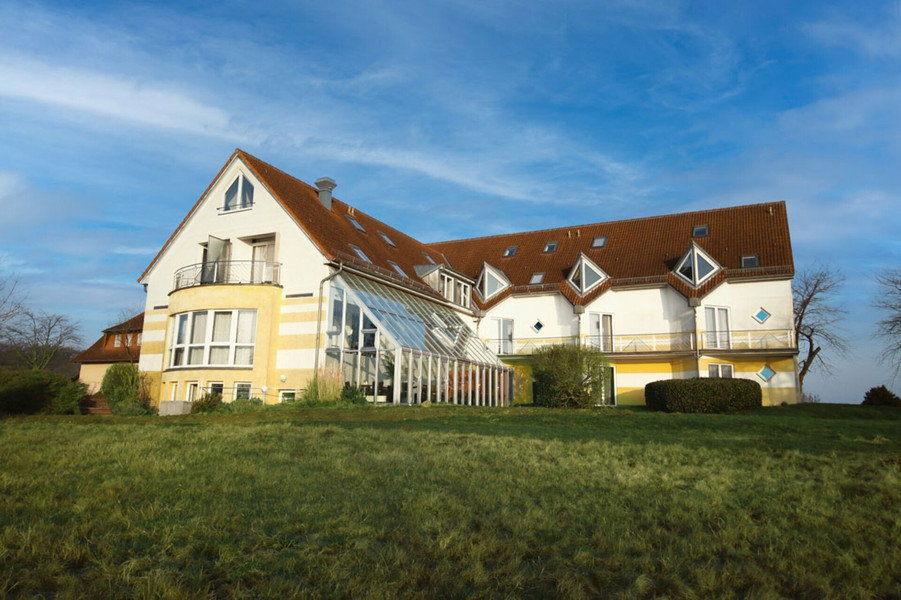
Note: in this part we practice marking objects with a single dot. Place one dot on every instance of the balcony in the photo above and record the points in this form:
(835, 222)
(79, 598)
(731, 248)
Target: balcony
(644, 343)
(228, 272)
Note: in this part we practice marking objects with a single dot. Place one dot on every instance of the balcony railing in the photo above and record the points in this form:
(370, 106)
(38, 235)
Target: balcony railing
(227, 272)
(641, 343)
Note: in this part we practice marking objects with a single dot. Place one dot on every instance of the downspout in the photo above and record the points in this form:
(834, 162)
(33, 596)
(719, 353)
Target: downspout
(319, 317)
(695, 304)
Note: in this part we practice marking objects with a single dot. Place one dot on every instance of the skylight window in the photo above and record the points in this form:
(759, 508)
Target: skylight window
(510, 251)
(356, 224)
(536, 278)
(700, 231)
(750, 261)
(550, 247)
(397, 268)
(360, 253)
(429, 258)
(599, 242)
(387, 239)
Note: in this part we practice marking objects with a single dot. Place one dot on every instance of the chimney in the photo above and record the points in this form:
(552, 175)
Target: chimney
(325, 185)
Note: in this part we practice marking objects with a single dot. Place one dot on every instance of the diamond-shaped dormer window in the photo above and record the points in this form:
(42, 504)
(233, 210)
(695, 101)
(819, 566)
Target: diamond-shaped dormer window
(491, 282)
(697, 266)
(585, 275)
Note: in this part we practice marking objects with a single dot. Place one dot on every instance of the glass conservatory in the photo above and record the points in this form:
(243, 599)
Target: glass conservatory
(400, 348)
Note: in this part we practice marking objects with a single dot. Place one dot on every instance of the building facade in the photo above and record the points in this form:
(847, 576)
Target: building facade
(268, 281)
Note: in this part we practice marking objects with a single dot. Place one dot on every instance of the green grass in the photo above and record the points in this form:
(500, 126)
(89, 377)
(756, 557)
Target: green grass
(452, 502)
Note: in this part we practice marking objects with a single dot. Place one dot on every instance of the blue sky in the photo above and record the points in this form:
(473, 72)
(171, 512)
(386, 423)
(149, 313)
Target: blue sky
(450, 119)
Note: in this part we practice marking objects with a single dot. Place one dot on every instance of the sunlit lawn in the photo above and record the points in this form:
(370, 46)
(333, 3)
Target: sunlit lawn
(798, 502)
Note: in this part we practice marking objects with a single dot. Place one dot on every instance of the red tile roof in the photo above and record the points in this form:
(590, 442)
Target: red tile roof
(102, 352)
(637, 251)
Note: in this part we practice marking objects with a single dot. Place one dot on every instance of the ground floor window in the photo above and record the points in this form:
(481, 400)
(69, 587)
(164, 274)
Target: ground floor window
(718, 370)
(214, 387)
(242, 390)
(192, 387)
(287, 395)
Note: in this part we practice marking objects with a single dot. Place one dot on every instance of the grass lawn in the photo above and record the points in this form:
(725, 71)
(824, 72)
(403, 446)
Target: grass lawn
(453, 502)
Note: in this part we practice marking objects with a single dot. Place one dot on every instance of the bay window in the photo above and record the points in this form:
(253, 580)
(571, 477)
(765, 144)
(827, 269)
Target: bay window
(213, 338)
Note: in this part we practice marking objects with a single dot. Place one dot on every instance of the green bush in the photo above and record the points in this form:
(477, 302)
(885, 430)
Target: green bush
(244, 405)
(353, 395)
(703, 395)
(68, 399)
(29, 392)
(881, 396)
(569, 376)
(208, 403)
(121, 386)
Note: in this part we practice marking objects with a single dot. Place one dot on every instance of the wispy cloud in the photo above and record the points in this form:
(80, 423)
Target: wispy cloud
(880, 38)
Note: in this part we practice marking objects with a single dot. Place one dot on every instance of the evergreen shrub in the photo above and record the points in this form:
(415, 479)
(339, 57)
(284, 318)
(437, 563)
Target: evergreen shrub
(121, 386)
(29, 392)
(881, 396)
(703, 395)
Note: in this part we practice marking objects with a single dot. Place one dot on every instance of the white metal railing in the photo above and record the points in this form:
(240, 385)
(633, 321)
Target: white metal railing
(653, 342)
(227, 272)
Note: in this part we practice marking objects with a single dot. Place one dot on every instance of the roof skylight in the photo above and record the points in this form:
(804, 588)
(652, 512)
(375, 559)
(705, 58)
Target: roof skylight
(550, 247)
(397, 268)
(388, 241)
(429, 258)
(700, 231)
(510, 251)
(536, 278)
(355, 223)
(360, 253)
(599, 242)
(749, 261)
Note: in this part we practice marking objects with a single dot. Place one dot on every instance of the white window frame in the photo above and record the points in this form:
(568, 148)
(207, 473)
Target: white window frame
(241, 179)
(182, 347)
(550, 247)
(692, 255)
(209, 387)
(599, 242)
(583, 264)
(360, 253)
(192, 389)
(719, 337)
(602, 340)
(720, 369)
(511, 251)
(482, 282)
(283, 392)
(536, 279)
(243, 385)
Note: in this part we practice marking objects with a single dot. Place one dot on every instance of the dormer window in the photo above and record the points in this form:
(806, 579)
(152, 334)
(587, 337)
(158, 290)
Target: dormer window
(697, 266)
(585, 275)
(239, 194)
(536, 278)
(360, 253)
(387, 239)
(700, 231)
(550, 247)
(510, 251)
(599, 242)
(397, 268)
(750, 261)
(356, 224)
(491, 282)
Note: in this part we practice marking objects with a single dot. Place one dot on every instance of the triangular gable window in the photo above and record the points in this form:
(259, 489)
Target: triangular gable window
(697, 266)
(491, 282)
(585, 275)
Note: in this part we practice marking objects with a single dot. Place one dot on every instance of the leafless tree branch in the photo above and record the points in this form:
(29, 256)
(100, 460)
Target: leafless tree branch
(888, 329)
(37, 337)
(817, 319)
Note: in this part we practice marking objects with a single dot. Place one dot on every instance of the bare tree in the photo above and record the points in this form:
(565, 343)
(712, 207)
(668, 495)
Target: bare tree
(817, 318)
(889, 328)
(10, 305)
(37, 337)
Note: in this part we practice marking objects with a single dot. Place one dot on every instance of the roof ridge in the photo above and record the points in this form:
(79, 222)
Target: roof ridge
(617, 222)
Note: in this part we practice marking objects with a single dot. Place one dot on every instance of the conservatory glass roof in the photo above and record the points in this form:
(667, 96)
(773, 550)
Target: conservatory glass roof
(413, 322)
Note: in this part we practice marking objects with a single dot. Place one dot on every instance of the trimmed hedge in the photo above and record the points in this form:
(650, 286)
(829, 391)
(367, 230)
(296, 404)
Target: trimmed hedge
(29, 392)
(703, 395)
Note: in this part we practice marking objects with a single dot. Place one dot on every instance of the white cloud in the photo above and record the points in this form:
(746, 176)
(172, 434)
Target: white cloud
(130, 99)
(882, 39)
